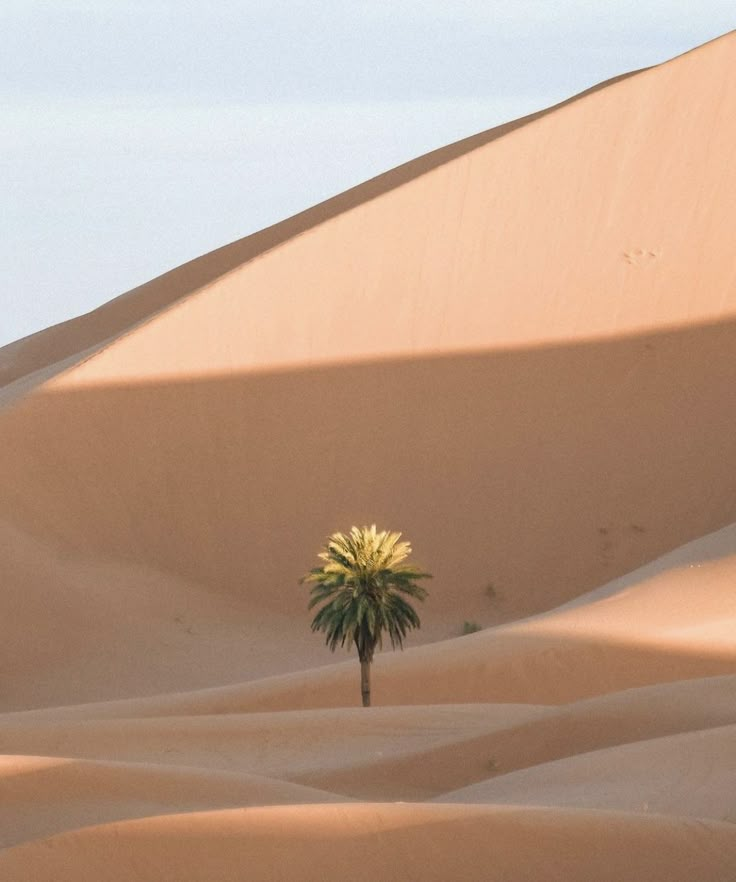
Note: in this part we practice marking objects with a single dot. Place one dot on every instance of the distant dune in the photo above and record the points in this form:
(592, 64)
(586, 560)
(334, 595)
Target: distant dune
(520, 350)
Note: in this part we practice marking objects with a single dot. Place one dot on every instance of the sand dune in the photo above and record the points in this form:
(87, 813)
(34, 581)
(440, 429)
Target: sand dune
(390, 755)
(377, 841)
(393, 753)
(518, 349)
(688, 775)
(147, 501)
(205, 421)
(671, 620)
(618, 719)
(43, 796)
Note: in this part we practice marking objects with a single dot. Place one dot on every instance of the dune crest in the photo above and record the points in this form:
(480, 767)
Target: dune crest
(518, 350)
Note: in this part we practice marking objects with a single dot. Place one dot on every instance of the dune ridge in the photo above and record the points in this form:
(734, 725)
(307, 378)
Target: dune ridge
(432, 842)
(517, 349)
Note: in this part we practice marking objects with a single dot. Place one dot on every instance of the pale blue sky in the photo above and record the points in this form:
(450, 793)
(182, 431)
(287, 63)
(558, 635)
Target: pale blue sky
(138, 135)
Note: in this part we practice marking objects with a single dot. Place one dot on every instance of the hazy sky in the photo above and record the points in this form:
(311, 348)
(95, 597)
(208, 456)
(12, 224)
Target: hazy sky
(138, 135)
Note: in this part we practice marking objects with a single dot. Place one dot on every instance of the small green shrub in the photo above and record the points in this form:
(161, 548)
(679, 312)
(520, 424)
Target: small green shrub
(471, 627)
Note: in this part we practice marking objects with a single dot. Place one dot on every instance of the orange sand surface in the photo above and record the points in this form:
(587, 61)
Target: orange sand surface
(520, 351)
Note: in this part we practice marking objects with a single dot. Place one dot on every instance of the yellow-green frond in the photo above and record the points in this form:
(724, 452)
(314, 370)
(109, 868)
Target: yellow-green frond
(359, 588)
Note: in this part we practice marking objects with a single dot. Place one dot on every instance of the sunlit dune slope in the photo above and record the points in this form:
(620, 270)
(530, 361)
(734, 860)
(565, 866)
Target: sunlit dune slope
(670, 620)
(518, 350)
(665, 749)
(367, 842)
(687, 775)
(407, 753)
(630, 175)
(609, 212)
(43, 796)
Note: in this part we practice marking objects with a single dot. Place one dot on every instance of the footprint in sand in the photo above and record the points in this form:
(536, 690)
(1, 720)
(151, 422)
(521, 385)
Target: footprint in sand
(640, 256)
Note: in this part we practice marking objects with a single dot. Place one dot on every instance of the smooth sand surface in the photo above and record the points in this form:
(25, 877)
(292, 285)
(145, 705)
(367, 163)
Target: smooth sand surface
(688, 775)
(520, 351)
(378, 841)
(42, 795)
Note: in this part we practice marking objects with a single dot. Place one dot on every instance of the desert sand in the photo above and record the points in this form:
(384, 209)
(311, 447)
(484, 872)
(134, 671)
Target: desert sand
(519, 350)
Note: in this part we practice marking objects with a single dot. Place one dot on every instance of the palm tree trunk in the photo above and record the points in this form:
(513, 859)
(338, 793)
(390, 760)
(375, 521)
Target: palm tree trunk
(365, 682)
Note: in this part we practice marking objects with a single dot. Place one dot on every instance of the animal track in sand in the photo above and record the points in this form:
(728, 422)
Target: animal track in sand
(640, 256)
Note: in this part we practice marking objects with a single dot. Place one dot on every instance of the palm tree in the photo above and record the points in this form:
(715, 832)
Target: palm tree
(361, 584)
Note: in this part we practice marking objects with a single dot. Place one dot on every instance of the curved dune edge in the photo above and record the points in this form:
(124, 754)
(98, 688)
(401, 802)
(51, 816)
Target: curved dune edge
(499, 671)
(283, 747)
(59, 347)
(56, 349)
(135, 309)
(472, 235)
(47, 353)
(147, 502)
(407, 753)
(547, 408)
(43, 796)
(629, 717)
(379, 841)
(692, 774)
(671, 620)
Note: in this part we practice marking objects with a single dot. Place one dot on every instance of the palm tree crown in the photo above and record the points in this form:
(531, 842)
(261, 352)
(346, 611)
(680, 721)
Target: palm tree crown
(362, 583)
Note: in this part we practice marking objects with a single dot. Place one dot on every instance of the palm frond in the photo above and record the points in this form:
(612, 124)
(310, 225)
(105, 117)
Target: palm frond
(360, 584)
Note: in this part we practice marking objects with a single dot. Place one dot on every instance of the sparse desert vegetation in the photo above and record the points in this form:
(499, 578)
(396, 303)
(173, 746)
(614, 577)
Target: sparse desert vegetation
(519, 349)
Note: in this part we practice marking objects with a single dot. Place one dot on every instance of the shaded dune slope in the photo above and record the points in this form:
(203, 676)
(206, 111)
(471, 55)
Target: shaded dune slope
(66, 344)
(372, 841)
(651, 112)
(511, 337)
(175, 476)
(687, 775)
(393, 753)
(44, 796)
(518, 349)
